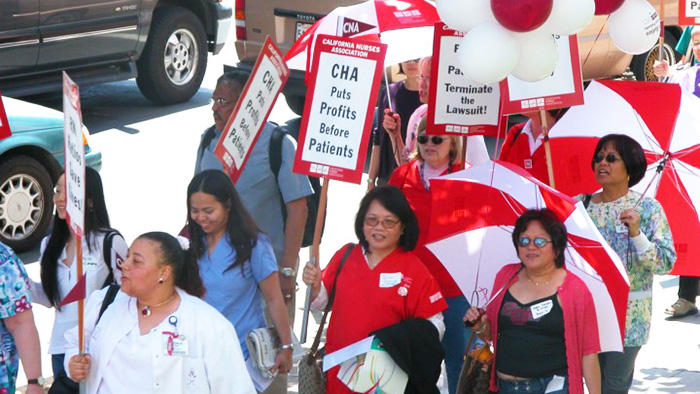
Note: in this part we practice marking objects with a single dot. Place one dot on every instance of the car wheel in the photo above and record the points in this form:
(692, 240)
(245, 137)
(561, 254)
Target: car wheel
(25, 202)
(172, 65)
(643, 65)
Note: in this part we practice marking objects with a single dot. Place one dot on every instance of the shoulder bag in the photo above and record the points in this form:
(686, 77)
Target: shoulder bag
(312, 380)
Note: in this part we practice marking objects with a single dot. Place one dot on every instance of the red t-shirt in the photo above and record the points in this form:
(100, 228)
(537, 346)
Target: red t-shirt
(407, 179)
(516, 150)
(366, 300)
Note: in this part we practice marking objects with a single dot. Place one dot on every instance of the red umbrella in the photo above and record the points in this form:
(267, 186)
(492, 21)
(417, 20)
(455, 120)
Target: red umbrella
(473, 215)
(666, 122)
(405, 25)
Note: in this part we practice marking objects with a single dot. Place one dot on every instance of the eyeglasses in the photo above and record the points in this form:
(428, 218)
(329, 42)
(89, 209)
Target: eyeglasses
(372, 221)
(423, 139)
(610, 158)
(540, 242)
(221, 101)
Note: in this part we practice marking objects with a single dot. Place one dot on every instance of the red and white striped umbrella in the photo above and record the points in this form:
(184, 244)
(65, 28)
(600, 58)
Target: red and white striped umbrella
(406, 26)
(473, 215)
(666, 121)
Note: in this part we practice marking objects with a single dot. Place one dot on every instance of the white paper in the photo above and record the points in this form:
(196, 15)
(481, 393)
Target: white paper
(390, 279)
(260, 382)
(541, 309)
(556, 384)
(346, 353)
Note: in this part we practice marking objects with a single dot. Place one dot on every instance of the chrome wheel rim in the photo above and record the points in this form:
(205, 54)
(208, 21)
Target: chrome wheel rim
(180, 57)
(21, 206)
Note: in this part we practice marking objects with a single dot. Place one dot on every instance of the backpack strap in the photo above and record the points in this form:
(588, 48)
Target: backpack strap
(109, 298)
(275, 157)
(317, 340)
(206, 140)
(107, 254)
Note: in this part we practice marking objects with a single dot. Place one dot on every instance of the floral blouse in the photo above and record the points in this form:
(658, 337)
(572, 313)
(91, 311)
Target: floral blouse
(641, 267)
(14, 299)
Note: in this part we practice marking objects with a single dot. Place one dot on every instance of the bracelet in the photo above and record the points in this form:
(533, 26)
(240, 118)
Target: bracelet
(372, 181)
(285, 347)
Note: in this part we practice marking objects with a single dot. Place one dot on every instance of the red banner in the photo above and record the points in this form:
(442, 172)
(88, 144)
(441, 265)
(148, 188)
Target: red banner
(339, 108)
(252, 109)
(4, 123)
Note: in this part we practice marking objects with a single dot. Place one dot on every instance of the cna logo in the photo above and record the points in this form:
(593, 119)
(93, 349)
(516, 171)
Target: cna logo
(348, 27)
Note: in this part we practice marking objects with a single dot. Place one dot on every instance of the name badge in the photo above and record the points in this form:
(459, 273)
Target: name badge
(621, 228)
(89, 262)
(541, 309)
(390, 279)
(527, 164)
(175, 346)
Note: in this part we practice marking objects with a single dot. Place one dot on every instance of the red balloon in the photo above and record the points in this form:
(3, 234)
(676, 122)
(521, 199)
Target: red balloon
(605, 7)
(521, 15)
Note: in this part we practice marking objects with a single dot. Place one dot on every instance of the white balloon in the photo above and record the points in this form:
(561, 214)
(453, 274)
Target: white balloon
(463, 15)
(634, 28)
(570, 16)
(488, 53)
(538, 56)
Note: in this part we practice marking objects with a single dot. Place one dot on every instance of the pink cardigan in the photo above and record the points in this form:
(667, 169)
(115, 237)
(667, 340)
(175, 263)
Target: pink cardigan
(580, 323)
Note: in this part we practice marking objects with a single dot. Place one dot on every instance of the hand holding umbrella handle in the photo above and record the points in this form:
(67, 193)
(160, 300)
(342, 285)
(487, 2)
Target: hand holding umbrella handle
(469, 323)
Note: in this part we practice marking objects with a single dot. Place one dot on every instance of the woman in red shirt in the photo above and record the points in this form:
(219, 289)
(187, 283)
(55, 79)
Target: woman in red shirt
(436, 155)
(382, 282)
(543, 327)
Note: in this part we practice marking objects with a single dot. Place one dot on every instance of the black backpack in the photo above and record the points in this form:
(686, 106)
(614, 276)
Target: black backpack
(313, 201)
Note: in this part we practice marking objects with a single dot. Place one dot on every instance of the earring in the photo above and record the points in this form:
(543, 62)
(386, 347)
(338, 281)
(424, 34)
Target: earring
(161, 280)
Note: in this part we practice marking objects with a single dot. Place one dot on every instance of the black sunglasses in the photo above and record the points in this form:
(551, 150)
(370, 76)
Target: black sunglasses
(423, 139)
(610, 158)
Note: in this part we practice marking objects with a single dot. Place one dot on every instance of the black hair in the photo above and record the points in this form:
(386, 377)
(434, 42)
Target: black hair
(235, 78)
(96, 220)
(393, 200)
(183, 263)
(241, 228)
(631, 153)
(551, 224)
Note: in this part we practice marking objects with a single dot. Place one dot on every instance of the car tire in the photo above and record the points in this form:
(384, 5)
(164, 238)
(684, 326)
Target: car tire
(26, 202)
(643, 65)
(174, 60)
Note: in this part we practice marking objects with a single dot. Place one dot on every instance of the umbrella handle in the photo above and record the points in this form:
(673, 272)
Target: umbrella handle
(470, 323)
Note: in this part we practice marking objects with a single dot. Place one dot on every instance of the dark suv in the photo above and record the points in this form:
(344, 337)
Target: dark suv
(162, 43)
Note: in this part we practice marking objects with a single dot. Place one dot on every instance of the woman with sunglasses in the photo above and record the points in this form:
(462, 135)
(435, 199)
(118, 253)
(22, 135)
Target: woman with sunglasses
(543, 323)
(381, 282)
(636, 228)
(436, 155)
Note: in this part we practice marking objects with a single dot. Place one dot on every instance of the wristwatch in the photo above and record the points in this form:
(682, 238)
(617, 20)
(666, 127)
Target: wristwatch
(288, 272)
(285, 347)
(40, 381)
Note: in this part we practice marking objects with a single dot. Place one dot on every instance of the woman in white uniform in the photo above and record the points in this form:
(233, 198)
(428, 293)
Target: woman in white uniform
(157, 336)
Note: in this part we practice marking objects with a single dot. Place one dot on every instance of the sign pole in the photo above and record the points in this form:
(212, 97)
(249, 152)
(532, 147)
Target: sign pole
(547, 149)
(662, 13)
(314, 255)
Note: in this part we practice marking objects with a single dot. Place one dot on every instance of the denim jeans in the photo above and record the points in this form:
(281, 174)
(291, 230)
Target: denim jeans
(530, 386)
(57, 363)
(455, 339)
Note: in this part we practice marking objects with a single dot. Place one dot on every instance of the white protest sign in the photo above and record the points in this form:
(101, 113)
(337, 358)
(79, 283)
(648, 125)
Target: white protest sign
(74, 156)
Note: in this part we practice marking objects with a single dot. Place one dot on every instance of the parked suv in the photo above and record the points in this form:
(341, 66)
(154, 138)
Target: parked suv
(285, 21)
(162, 43)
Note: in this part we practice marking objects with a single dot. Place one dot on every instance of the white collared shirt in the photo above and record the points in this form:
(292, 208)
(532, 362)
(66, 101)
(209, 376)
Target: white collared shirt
(97, 272)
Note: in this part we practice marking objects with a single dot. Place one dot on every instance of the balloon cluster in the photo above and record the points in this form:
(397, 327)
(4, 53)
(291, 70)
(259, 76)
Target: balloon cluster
(517, 36)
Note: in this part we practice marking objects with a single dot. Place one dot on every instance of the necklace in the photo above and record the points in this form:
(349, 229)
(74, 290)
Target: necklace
(546, 282)
(146, 310)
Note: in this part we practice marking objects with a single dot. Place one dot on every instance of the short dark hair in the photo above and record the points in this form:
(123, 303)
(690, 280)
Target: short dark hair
(631, 153)
(236, 79)
(395, 202)
(183, 263)
(552, 225)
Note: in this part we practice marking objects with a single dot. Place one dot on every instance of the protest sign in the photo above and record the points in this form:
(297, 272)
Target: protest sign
(563, 88)
(339, 108)
(74, 156)
(689, 12)
(4, 124)
(254, 105)
(458, 105)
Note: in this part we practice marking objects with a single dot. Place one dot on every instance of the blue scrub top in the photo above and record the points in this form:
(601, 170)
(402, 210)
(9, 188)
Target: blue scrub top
(235, 292)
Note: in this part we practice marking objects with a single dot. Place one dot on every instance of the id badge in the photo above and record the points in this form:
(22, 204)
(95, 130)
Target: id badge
(175, 346)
